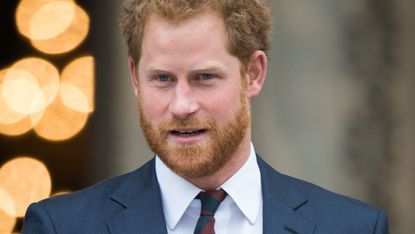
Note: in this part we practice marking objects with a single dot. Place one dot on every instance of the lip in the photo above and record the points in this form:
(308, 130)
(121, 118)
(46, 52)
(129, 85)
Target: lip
(187, 136)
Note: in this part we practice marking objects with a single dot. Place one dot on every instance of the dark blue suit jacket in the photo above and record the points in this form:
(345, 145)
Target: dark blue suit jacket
(131, 203)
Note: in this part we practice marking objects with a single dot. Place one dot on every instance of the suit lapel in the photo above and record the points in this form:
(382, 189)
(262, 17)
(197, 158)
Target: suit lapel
(285, 209)
(136, 206)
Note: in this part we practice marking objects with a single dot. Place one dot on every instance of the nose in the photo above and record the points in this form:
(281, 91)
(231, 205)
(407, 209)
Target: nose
(184, 102)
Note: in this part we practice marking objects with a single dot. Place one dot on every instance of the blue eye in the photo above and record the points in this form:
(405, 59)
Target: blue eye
(163, 78)
(205, 76)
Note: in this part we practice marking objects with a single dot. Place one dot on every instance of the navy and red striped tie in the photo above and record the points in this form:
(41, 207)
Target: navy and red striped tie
(210, 203)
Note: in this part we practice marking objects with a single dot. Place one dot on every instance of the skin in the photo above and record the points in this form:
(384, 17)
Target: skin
(185, 70)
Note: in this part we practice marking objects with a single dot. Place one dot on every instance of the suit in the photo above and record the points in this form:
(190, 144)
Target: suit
(131, 203)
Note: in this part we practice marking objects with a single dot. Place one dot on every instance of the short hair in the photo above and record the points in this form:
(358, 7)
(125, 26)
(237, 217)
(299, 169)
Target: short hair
(248, 23)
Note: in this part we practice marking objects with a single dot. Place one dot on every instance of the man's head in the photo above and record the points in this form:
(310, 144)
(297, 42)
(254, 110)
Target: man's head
(247, 22)
(192, 91)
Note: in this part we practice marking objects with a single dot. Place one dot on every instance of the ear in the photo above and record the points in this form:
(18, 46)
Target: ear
(256, 72)
(133, 75)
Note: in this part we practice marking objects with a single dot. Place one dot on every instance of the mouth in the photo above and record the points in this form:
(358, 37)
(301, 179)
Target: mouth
(187, 132)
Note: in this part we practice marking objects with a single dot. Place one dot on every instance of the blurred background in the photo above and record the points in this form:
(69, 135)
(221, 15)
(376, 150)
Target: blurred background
(337, 108)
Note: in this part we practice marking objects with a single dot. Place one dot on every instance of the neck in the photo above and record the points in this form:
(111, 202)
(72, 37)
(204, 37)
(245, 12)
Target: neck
(237, 160)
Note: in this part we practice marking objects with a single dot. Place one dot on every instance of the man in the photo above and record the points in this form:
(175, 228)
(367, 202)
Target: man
(194, 66)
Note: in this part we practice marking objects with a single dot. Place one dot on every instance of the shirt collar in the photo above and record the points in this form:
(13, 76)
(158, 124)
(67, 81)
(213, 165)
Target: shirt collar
(244, 187)
(176, 193)
(246, 194)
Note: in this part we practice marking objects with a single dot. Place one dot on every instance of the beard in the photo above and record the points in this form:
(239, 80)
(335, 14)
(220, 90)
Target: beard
(204, 158)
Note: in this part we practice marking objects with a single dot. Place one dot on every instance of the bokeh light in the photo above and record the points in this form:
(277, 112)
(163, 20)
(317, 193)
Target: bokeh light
(51, 19)
(28, 86)
(46, 75)
(7, 204)
(22, 126)
(53, 26)
(74, 98)
(60, 122)
(70, 38)
(7, 222)
(7, 116)
(21, 92)
(25, 180)
(26, 11)
(77, 84)
(35, 96)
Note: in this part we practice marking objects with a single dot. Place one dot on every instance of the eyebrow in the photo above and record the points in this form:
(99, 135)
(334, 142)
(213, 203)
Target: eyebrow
(208, 67)
(155, 70)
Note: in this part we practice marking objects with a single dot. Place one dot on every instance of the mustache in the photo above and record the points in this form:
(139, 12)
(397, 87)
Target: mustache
(188, 122)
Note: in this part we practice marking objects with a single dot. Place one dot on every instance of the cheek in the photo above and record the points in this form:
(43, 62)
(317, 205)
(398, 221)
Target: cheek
(152, 106)
(222, 106)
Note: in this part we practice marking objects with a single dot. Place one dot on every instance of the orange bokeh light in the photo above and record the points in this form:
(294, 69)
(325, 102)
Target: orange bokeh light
(22, 126)
(26, 11)
(7, 222)
(21, 92)
(25, 180)
(46, 75)
(77, 84)
(60, 122)
(53, 26)
(51, 19)
(69, 39)
(7, 116)
(7, 203)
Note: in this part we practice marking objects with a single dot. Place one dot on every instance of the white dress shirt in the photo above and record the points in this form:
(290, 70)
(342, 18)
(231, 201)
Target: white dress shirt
(240, 212)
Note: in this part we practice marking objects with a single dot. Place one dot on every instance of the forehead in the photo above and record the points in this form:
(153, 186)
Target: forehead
(189, 42)
(200, 18)
(163, 32)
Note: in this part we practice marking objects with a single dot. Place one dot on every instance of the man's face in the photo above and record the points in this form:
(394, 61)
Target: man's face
(194, 109)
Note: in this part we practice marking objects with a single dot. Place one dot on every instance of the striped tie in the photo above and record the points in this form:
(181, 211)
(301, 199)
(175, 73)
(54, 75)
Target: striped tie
(210, 203)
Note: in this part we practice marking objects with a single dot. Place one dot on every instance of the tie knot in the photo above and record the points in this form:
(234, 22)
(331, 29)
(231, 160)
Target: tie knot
(210, 201)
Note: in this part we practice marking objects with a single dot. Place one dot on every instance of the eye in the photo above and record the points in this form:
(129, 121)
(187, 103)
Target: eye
(163, 78)
(205, 76)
